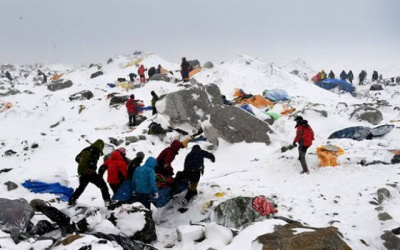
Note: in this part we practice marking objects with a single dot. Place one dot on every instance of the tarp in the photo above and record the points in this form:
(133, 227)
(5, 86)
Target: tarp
(15, 215)
(194, 71)
(276, 95)
(53, 188)
(274, 115)
(247, 108)
(55, 77)
(316, 78)
(5, 106)
(328, 154)
(381, 130)
(356, 133)
(258, 101)
(124, 192)
(330, 83)
(137, 61)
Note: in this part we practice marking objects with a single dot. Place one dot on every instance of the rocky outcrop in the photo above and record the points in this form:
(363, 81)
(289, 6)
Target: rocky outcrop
(59, 84)
(162, 77)
(369, 114)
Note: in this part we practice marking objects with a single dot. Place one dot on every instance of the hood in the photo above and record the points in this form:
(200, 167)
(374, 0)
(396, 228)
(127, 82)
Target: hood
(99, 144)
(176, 145)
(302, 123)
(151, 162)
(116, 155)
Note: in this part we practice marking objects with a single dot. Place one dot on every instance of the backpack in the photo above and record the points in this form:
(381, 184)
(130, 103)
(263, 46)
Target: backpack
(155, 129)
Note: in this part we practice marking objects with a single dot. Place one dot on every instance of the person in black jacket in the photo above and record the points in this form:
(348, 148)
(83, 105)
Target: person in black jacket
(331, 75)
(136, 162)
(350, 76)
(374, 75)
(343, 75)
(185, 68)
(193, 168)
(151, 72)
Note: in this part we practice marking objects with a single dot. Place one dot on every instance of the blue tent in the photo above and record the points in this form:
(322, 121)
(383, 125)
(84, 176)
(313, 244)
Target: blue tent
(329, 83)
(356, 133)
(276, 95)
(53, 188)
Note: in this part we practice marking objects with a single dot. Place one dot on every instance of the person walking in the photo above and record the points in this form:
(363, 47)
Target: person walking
(141, 72)
(362, 76)
(151, 72)
(136, 162)
(350, 76)
(304, 137)
(154, 99)
(116, 167)
(144, 183)
(87, 164)
(343, 75)
(185, 68)
(193, 169)
(131, 106)
(166, 157)
(331, 75)
(375, 75)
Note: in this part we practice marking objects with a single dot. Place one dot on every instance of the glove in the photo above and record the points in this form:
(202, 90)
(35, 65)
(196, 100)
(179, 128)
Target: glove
(155, 196)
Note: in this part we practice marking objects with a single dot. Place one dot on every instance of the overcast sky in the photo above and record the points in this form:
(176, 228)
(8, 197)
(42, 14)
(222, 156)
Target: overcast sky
(84, 31)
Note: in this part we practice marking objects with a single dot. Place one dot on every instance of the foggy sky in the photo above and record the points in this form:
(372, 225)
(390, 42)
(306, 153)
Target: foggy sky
(84, 31)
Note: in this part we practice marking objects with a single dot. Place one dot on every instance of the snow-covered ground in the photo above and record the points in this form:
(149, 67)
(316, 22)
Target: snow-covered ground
(337, 196)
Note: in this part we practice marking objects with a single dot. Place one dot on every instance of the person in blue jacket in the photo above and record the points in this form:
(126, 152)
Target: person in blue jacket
(144, 183)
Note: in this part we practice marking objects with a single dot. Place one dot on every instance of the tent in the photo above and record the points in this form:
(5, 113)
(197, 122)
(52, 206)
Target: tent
(194, 71)
(316, 78)
(361, 133)
(330, 83)
(56, 77)
(328, 154)
(276, 95)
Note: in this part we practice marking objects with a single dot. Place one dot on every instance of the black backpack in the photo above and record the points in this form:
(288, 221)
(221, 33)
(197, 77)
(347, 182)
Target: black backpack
(155, 129)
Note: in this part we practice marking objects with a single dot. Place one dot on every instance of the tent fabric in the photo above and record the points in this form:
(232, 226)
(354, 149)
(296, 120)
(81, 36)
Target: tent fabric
(56, 77)
(247, 108)
(194, 71)
(276, 95)
(5, 106)
(287, 110)
(328, 154)
(357, 133)
(330, 83)
(273, 115)
(381, 130)
(137, 61)
(263, 206)
(124, 192)
(53, 188)
(316, 78)
(258, 101)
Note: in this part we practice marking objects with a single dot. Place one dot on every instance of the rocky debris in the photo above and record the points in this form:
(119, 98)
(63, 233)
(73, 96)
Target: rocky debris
(117, 100)
(82, 95)
(110, 60)
(162, 77)
(208, 65)
(10, 185)
(57, 123)
(384, 216)
(115, 141)
(187, 233)
(96, 74)
(59, 84)
(194, 63)
(369, 114)
(391, 241)
(382, 194)
(9, 152)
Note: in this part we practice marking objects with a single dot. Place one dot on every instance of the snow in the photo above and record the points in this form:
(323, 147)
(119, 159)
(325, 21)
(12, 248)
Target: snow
(337, 196)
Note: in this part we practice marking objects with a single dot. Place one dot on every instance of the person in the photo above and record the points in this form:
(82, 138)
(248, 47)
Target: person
(323, 75)
(225, 101)
(331, 75)
(8, 75)
(44, 76)
(350, 76)
(374, 75)
(117, 169)
(141, 71)
(185, 68)
(362, 76)
(343, 75)
(158, 70)
(136, 162)
(192, 170)
(166, 157)
(154, 99)
(132, 77)
(304, 137)
(151, 72)
(144, 183)
(87, 164)
(131, 106)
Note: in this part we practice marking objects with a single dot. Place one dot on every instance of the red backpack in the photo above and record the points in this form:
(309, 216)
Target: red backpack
(263, 206)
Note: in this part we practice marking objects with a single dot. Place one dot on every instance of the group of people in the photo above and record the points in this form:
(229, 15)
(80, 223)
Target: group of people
(133, 107)
(150, 72)
(142, 176)
(349, 76)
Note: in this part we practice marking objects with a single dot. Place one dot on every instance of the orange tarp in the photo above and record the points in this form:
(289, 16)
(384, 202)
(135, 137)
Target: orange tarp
(328, 154)
(195, 71)
(258, 101)
(56, 77)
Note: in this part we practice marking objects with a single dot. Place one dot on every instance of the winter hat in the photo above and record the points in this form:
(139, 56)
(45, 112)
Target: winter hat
(99, 144)
(122, 150)
(132, 96)
(298, 118)
(140, 155)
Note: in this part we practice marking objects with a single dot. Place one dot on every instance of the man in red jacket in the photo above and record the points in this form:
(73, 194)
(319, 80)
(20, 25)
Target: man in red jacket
(304, 137)
(117, 169)
(141, 72)
(166, 157)
(131, 106)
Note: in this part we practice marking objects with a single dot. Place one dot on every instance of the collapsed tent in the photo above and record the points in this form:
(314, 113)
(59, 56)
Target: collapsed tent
(276, 95)
(330, 83)
(53, 188)
(361, 133)
(194, 71)
(56, 77)
(15, 216)
(328, 154)
(5, 106)
(256, 100)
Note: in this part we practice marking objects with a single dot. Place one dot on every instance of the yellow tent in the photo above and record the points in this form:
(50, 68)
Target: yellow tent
(137, 61)
(328, 154)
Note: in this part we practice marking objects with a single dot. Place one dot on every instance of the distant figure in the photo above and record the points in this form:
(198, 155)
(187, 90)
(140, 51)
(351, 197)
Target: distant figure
(136, 162)
(44, 76)
(380, 77)
(131, 106)
(144, 183)
(185, 68)
(141, 72)
(362, 76)
(8, 75)
(343, 75)
(225, 101)
(374, 75)
(151, 72)
(132, 77)
(350, 76)
(304, 137)
(158, 70)
(87, 165)
(192, 170)
(331, 75)
(154, 99)
(116, 167)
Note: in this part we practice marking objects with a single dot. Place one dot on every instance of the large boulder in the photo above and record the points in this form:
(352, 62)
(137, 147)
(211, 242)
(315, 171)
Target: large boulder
(194, 63)
(15, 215)
(235, 125)
(59, 84)
(369, 114)
(391, 241)
(117, 100)
(296, 236)
(96, 74)
(208, 65)
(190, 105)
(162, 77)
(236, 212)
(83, 95)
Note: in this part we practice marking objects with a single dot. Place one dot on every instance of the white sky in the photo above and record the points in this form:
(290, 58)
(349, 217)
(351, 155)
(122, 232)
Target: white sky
(321, 32)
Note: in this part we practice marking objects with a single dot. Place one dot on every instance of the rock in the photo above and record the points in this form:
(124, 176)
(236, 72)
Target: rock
(162, 77)
(208, 65)
(10, 152)
(384, 216)
(115, 141)
(194, 63)
(131, 139)
(117, 100)
(296, 236)
(83, 95)
(59, 84)
(190, 233)
(376, 87)
(109, 61)
(391, 241)
(369, 114)
(236, 212)
(142, 137)
(235, 125)
(35, 145)
(96, 74)
(382, 194)
(10, 185)
(190, 105)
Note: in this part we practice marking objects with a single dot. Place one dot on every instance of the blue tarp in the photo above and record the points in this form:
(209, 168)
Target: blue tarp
(145, 108)
(247, 108)
(53, 188)
(329, 83)
(124, 192)
(356, 133)
(276, 95)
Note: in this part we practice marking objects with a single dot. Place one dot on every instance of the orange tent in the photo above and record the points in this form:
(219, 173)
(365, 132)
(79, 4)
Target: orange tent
(258, 101)
(328, 154)
(194, 71)
(56, 77)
